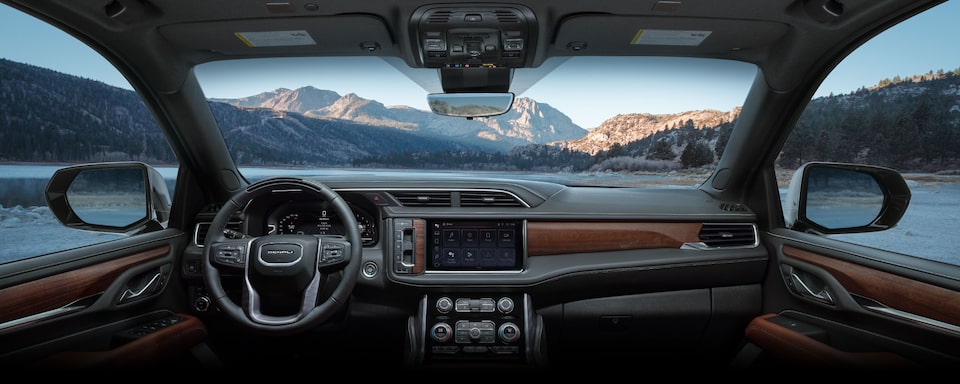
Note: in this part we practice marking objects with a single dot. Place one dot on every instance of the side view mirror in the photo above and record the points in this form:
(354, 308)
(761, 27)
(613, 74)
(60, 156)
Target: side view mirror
(470, 105)
(109, 197)
(834, 198)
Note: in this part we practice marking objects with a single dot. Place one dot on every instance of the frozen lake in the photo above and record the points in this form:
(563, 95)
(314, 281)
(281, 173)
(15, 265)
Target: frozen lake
(28, 228)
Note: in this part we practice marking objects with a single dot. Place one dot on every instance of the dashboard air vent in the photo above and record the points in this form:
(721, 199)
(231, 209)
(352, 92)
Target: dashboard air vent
(423, 198)
(200, 232)
(716, 235)
(489, 199)
(733, 207)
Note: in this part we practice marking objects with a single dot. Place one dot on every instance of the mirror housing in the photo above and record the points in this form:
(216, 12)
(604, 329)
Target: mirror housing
(834, 198)
(120, 197)
(470, 105)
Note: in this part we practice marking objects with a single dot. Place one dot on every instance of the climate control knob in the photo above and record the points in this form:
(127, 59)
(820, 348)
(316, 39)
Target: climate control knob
(508, 332)
(444, 304)
(505, 305)
(441, 332)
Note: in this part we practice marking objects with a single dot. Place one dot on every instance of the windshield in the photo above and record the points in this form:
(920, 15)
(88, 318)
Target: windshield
(588, 121)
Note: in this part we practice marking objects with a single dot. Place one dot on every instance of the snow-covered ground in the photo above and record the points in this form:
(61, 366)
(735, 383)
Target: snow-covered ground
(32, 231)
(928, 229)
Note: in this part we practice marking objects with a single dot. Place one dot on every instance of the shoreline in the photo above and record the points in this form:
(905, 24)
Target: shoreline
(692, 176)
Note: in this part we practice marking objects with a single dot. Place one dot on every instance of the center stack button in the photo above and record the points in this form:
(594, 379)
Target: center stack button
(441, 332)
(484, 305)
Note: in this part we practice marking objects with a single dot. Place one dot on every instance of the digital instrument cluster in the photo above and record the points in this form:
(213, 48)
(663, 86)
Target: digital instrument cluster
(321, 219)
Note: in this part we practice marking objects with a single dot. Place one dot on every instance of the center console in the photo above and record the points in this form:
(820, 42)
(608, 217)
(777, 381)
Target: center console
(470, 329)
(455, 325)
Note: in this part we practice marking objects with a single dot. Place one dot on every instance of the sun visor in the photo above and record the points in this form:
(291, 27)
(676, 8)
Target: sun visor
(632, 35)
(327, 35)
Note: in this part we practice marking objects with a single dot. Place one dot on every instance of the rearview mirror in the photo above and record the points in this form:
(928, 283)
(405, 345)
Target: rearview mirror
(470, 105)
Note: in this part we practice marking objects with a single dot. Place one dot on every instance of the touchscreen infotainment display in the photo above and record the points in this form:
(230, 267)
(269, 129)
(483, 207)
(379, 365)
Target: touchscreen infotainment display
(474, 245)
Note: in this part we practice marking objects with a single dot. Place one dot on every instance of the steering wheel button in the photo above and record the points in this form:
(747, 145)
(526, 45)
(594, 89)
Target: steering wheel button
(332, 253)
(229, 256)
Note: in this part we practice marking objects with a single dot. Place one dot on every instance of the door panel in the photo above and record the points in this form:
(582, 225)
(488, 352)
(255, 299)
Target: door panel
(830, 304)
(105, 308)
(67, 292)
(887, 293)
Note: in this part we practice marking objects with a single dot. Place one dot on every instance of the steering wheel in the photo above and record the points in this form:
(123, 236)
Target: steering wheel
(283, 286)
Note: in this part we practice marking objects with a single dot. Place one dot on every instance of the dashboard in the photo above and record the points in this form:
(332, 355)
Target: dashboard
(481, 267)
(442, 232)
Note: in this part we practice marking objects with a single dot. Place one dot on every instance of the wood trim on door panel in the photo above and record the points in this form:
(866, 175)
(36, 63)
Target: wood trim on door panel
(891, 290)
(553, 238)
(56, 291)
(149, 351)
(795, 347)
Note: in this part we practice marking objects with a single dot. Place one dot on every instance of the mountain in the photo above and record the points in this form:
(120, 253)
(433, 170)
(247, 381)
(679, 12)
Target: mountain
(626, 128)
(82, 120)
(299, 100)
(41, 105)
(77, 119)
(922, 112)
(529, 122)
(265, 137)
(534, 122)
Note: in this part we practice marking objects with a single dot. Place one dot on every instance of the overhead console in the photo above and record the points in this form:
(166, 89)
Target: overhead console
(474, 36)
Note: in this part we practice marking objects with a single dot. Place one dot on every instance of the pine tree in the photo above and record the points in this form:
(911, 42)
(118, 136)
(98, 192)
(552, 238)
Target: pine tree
(696, 155)
(662, 150)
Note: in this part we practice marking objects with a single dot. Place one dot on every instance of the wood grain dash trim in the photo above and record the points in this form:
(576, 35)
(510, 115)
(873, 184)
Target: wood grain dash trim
(420, 246)
(894, 291)
(56, 291)
(554, 238)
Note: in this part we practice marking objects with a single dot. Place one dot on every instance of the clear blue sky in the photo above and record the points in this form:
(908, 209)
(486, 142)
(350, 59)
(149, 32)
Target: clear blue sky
(885, 57)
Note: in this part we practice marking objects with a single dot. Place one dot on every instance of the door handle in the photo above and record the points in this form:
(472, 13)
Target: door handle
(144, 285)
(130, 294)
(807, 285)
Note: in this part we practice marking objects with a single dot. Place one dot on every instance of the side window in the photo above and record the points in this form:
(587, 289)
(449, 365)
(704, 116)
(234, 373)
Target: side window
(895, 103)
(56, 113)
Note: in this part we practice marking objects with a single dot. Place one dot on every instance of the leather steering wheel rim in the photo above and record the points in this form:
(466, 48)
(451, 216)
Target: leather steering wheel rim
(216, 242)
